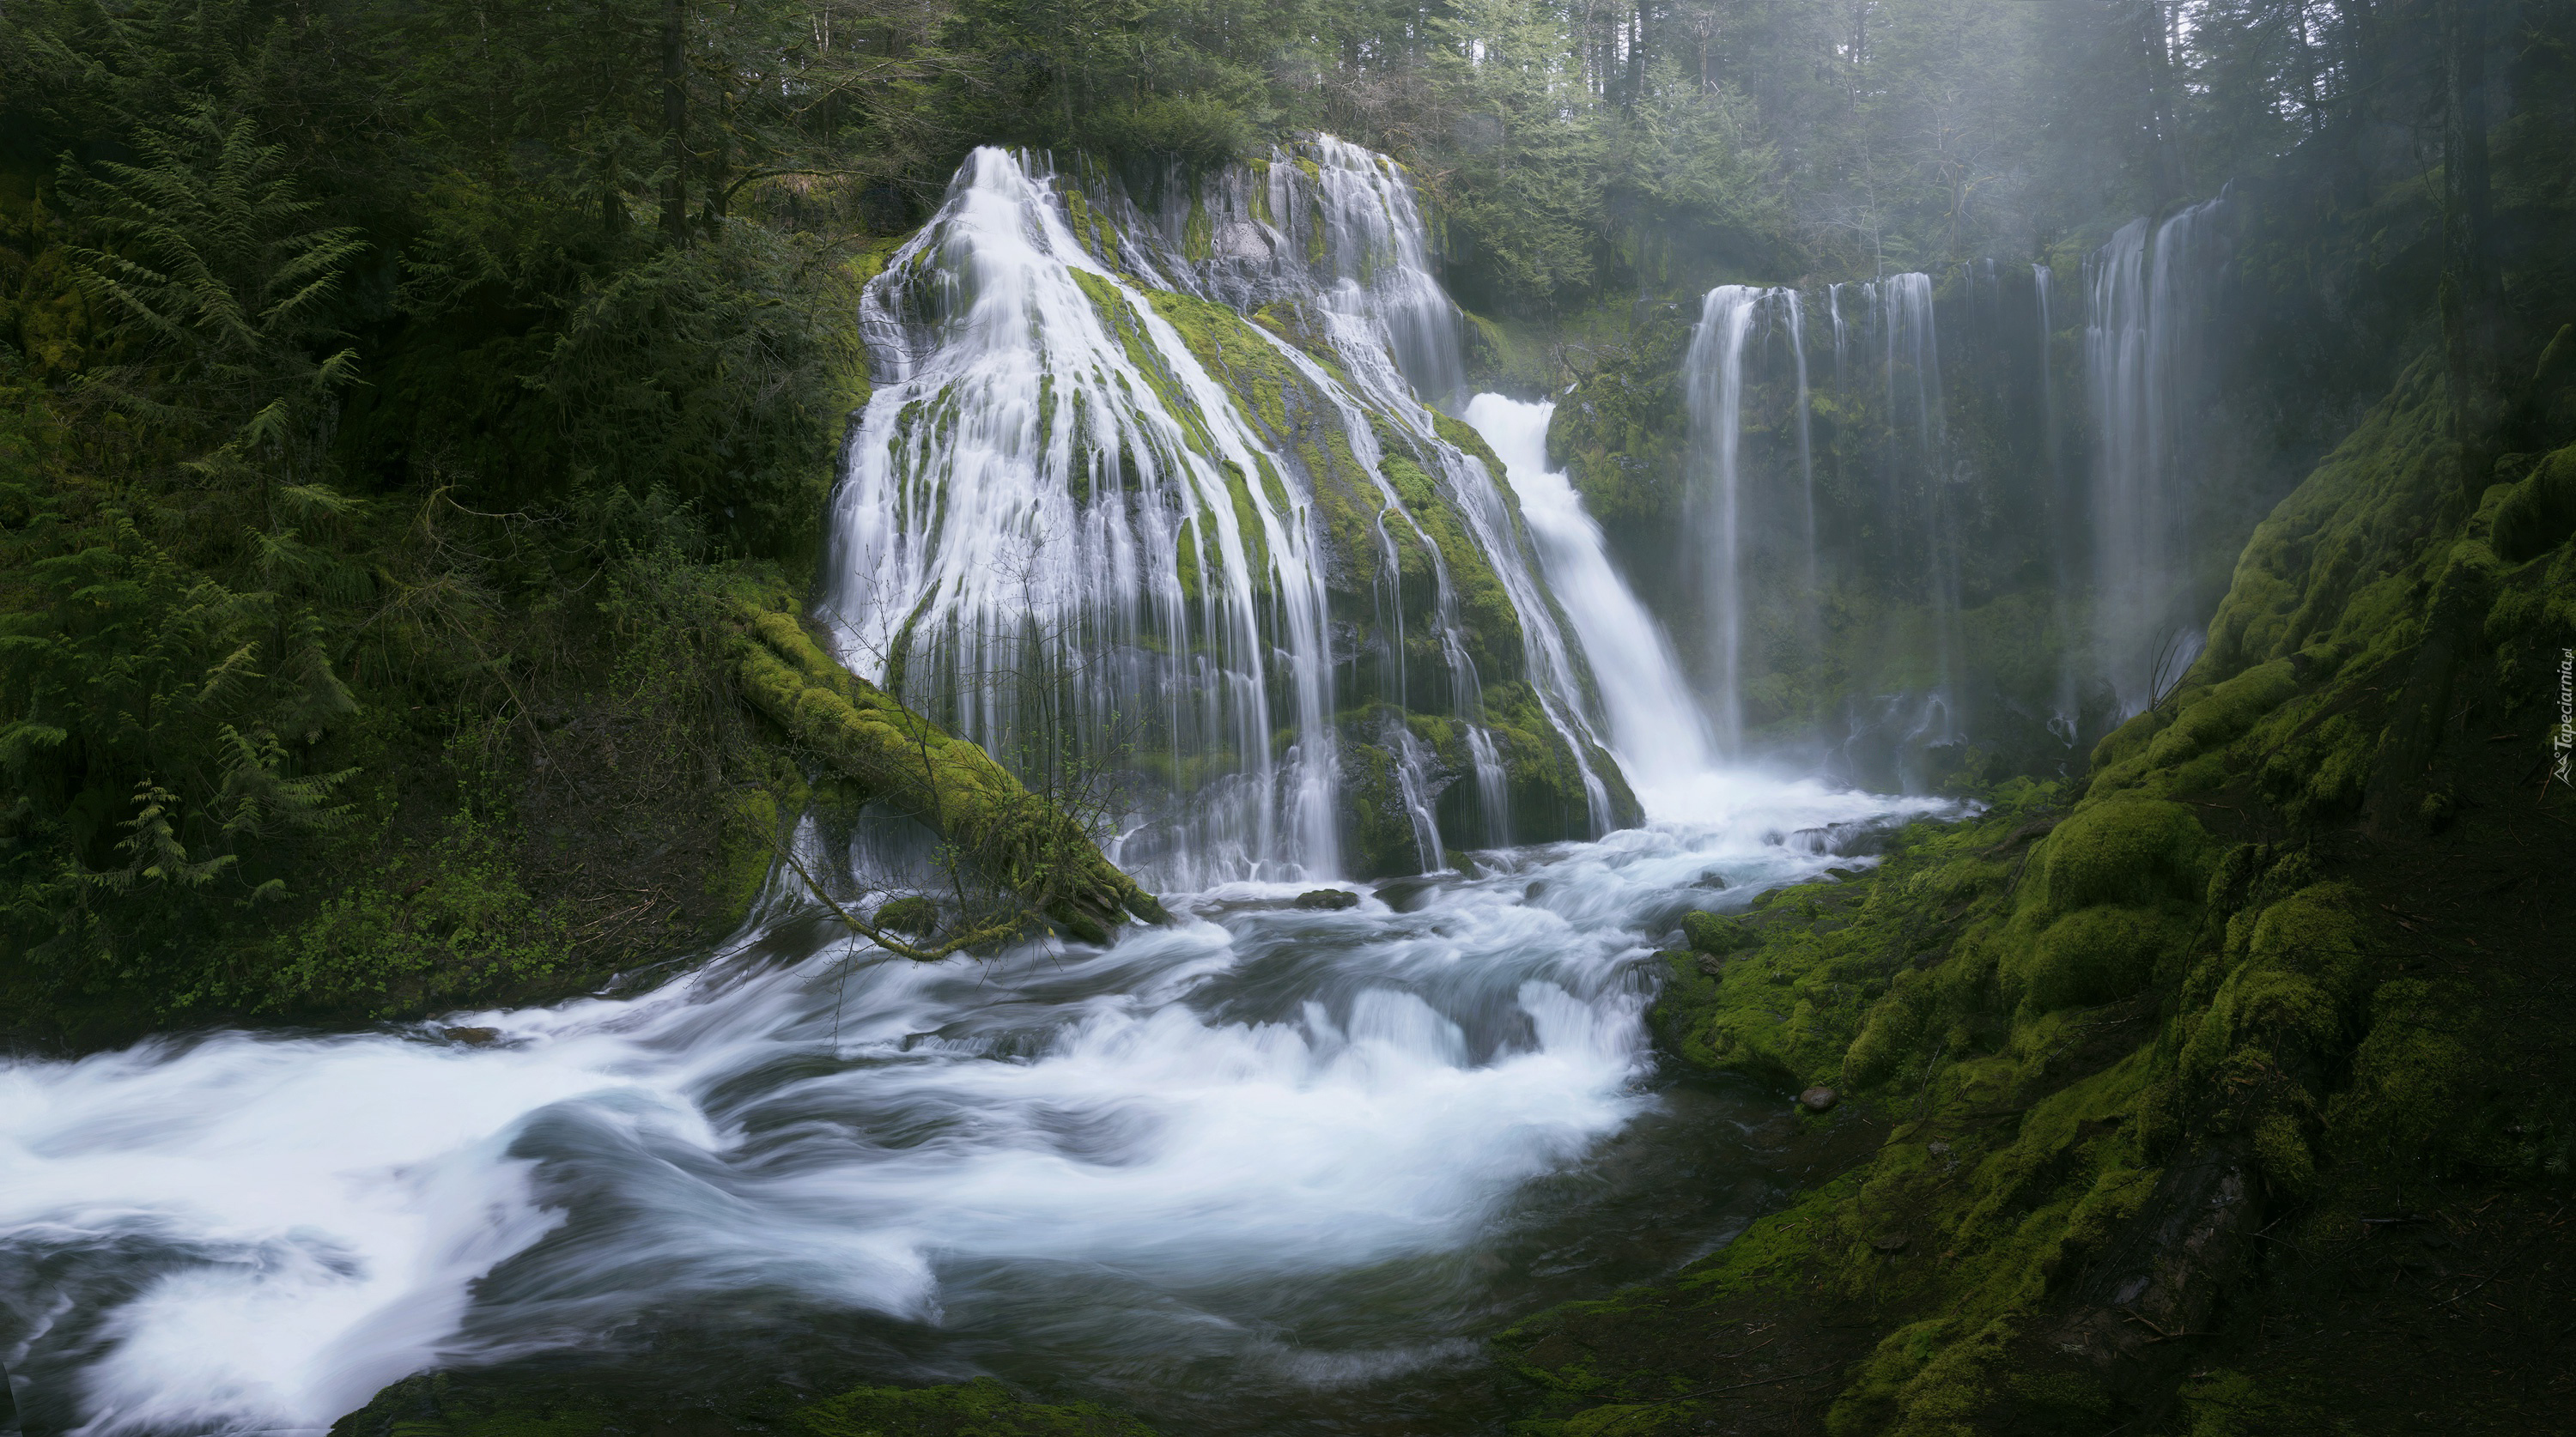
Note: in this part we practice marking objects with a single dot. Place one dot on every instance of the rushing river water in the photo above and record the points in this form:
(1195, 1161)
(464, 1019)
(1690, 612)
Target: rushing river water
(1265, 1169)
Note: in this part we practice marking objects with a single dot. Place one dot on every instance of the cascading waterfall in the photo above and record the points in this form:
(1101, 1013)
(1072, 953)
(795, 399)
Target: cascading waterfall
(1656, 728)
(1758, 547)
(1806, 443)
(966, 564)
(2142, 348)
(1059, 520)
(1398, 335)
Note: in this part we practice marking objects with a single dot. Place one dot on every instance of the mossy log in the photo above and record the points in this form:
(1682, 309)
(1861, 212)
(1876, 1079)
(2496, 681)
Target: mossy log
(1013, 837)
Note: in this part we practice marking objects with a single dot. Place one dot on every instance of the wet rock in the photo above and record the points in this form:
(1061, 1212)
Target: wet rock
(1715, 936)
(1819, 1100)
(1710, 879)
(1889, 1244)
(1328, 898)
(1842, 875)
(1712, 966)
(472, 1037)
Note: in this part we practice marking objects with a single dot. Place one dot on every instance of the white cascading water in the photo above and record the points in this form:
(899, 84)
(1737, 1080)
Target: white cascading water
(2065, 556)
(1021, 488)
(1656, 728)
(2142, 341)
(964, 549)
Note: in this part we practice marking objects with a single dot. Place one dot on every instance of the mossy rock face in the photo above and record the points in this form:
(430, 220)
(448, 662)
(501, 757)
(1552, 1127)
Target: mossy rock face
(1378, 837)
(2223, 713)
(2538, 513)
(2186, 1036)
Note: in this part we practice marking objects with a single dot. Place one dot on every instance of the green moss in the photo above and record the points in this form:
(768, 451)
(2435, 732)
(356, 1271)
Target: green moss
(2125, 850)
(441, 1404)
(753, 827)
(1713, 935)
(983, 1408)
(2092, 956)
(951, 785)
(2537, 514)
(2222, 1403)
(2218, 716)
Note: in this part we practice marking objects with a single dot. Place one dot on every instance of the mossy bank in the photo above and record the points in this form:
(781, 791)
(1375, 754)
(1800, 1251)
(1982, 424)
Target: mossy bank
(2224, 1089)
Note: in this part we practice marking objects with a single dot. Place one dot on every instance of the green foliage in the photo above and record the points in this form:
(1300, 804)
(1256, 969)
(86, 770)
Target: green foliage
(441, 927)
(983, 1408)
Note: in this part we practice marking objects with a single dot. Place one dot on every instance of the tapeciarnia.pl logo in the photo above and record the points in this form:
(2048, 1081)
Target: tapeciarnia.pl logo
(2564, 740)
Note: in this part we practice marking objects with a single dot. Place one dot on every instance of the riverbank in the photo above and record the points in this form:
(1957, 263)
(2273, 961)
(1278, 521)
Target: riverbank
(2226, 1089)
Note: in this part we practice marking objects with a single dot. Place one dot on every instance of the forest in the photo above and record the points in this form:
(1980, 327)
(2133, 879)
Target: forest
(1983, 675)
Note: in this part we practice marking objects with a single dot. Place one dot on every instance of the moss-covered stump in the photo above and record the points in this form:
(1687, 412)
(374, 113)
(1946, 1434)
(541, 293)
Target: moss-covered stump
(2228, 1089)
(442, 1404)
(1011, 836)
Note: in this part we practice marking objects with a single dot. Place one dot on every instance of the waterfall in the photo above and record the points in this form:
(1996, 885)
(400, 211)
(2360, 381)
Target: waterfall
(1713, 389)
(2142, 350)
(1655, 727)
(1066, 522)
(967, 564)
(1911, 346)
(2064, 551)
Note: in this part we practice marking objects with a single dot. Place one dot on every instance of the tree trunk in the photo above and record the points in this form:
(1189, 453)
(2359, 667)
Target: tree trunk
(2157, 39)
(675, 120)
(2470, 301)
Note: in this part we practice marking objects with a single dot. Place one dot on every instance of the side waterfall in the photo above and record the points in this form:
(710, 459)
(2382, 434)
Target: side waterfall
(1656, 728)
(1895, 329)
(1714, 391)
(2142, 348)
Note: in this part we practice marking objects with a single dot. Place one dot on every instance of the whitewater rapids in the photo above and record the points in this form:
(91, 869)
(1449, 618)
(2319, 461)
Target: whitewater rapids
(1275, 1144)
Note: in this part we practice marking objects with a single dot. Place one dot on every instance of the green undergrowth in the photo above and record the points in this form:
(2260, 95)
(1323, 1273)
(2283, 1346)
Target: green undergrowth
(2132, 1042)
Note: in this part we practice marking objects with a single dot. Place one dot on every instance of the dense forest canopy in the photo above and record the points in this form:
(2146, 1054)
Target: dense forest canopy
(377, 368)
